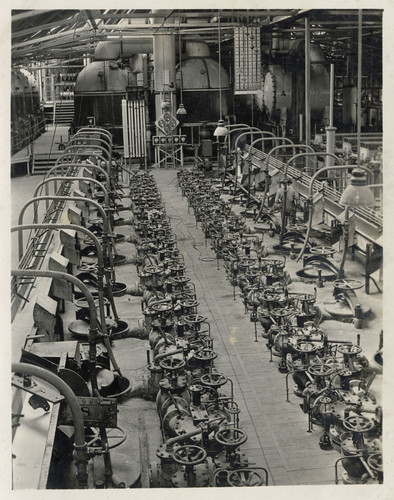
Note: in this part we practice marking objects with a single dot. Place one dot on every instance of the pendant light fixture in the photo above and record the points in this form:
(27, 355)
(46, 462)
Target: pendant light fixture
(221, 130)
(181, 111)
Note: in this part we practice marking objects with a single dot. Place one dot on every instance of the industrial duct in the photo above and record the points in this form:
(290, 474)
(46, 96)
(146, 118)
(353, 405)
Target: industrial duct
(114, 49)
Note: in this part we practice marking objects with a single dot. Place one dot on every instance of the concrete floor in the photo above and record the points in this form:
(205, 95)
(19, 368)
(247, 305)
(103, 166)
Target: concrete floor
(277, 430)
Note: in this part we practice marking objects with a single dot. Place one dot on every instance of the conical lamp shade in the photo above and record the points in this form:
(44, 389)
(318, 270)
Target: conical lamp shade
(357, 194)
(181, 110)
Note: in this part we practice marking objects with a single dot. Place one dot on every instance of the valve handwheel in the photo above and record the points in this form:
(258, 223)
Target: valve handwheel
(281, 313)
(305, 346)
(189, 303)
(231, 437)
(181, 280)
(194, 319)
(322, 250)
(213, 379)
(88, 268)
(115, 437)
(205, 354)
(247, 262)
(375, 461)
(321, 370)
(189, 454)
(358, 423)
(150, 269)
(348, 284)
(245, 477)
(349, 349)
(172, 363)
(161, 306)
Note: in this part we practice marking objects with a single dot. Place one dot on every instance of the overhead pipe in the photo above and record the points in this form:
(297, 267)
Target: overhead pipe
(115, 49)
(80, 446)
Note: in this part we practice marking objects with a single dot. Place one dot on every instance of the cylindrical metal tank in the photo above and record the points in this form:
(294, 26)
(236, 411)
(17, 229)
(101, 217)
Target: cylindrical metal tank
(98, 93)
(26, 119)
(200, 84)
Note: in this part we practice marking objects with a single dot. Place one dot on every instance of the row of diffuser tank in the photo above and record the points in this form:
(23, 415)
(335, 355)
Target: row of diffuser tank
(198, 412)
(332, 378)
(120, 66)
(27, 118)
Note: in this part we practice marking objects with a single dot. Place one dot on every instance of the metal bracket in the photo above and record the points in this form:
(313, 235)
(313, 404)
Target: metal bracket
(30, 385)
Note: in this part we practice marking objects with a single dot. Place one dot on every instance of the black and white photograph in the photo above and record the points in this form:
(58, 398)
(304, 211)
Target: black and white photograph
(195, 226)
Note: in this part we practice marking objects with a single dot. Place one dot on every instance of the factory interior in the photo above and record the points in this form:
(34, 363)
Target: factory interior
(197, 250)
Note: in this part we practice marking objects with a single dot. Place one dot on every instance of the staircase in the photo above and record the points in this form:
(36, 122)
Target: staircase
(42, 162)
(63, 112)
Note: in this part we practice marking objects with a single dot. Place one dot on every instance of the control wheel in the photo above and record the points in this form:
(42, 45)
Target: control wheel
(358, 423)
(375, 461)
(245, 477)
(172, 364)
(151, 269)
(231, 437)
(349, 349)
(213, 379)
(189, 455)
(321, 370)
(205, 354)
(161, 306)
(348, 284)
(322, 250)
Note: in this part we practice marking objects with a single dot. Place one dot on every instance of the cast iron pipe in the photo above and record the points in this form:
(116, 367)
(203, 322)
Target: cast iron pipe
(80, 447)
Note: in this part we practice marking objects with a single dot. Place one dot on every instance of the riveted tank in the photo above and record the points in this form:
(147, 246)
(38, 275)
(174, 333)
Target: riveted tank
(200, 83)
(98, 93)
(26, 116)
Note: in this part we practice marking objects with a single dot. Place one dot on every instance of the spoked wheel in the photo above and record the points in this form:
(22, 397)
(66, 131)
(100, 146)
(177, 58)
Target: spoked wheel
(231, 437)
(245, 477)
(115, 436)
(321, 370)
(375, 461)
(348, 284)
(172, 364)
(358, 423)
(213, 379)
(349, 349)
(189, 454)
(322, 250)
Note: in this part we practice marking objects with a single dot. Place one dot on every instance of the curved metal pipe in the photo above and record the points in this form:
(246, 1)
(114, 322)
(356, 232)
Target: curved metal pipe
(310, 198)
(93, 323)
(100, 260)
(281, 146)
(103, 131)
(106, 227)
(82, 165)
(76, 154)
(299, 155)
(80, 446)
(71, 179)
(79, 146)
(74, 141)
(250, 132)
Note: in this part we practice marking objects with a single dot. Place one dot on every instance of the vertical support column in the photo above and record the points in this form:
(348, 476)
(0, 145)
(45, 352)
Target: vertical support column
(330, 130)
(164, 70)
(359, 81)
(307, 86)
